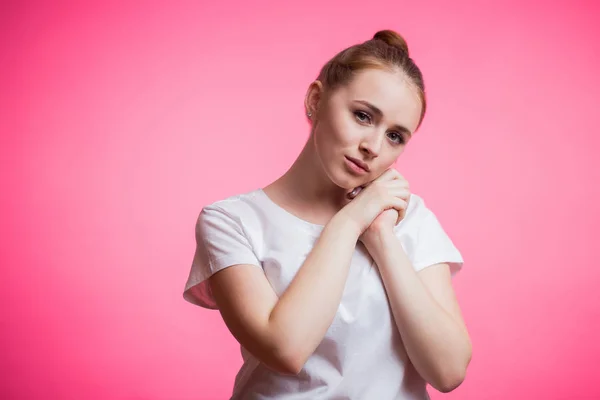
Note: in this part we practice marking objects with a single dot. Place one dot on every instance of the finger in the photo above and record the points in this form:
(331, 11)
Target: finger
(351, 195)
(402, 214)
(391, 177)
(401, 194)
(395, 188)
(399, 205)
(354, 192)
(397, 183)
(388, 175)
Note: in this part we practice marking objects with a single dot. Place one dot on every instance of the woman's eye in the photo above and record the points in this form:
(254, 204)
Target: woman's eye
(365, 117)
(362, 116)
(397, 137)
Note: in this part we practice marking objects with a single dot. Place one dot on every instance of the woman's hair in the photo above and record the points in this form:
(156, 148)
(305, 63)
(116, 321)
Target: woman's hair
(386, 50)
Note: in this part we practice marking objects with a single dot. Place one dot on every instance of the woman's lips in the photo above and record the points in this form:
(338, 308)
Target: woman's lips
(355, 167)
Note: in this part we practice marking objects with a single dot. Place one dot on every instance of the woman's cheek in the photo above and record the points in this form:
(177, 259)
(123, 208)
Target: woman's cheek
(347, 133)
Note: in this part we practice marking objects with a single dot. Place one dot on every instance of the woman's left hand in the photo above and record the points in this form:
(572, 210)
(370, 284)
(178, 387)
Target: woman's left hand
(388, 219)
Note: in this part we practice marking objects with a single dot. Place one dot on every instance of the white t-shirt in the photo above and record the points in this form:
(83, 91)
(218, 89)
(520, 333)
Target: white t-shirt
(361, 355)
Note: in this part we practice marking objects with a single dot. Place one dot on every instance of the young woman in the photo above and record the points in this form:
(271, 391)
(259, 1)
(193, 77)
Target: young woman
(335, 279)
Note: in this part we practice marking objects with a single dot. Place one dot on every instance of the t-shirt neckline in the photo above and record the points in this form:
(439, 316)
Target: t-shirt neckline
(308, 226)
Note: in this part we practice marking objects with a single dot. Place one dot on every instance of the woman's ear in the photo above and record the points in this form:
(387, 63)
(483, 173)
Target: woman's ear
(313, 98)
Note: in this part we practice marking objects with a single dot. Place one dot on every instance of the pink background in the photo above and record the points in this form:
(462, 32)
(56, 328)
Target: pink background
(120, 121)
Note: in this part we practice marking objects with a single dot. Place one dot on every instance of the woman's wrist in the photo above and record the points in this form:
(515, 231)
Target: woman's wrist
(343, 221)
(379, 238)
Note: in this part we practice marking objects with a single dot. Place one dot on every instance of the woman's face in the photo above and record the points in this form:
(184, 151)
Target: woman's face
(370, 121)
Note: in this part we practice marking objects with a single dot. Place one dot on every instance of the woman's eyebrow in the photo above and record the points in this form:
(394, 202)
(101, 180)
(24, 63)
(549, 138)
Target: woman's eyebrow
(379, 113)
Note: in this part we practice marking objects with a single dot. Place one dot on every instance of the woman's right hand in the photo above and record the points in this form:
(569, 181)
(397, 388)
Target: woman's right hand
(381, 194)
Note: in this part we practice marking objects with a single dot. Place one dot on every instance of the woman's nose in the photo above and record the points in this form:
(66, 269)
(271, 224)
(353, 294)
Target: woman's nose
(371, 145)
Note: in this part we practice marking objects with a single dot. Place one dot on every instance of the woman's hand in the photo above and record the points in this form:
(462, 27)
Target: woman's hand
(388, 218)
(381, 204)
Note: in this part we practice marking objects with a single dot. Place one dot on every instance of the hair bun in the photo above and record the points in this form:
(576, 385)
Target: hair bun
(393, 39)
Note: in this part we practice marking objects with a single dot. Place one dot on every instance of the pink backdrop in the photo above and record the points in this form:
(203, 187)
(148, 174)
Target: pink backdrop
(120, 121)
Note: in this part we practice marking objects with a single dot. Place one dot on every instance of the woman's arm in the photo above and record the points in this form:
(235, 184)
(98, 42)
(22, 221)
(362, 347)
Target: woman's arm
(283, 332)
(426, 313)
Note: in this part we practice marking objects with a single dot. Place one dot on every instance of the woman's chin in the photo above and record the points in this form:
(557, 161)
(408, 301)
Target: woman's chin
(348, 183)
(344, 180)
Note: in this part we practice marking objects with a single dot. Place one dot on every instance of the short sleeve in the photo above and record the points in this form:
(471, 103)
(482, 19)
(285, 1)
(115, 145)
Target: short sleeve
(434, 245)
(220, 243)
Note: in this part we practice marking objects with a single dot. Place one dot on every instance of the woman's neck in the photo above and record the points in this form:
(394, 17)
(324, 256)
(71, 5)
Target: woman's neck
(305, 189)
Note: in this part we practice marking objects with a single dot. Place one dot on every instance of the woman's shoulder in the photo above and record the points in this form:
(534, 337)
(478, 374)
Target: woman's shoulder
(242, 208)
(234, 202)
